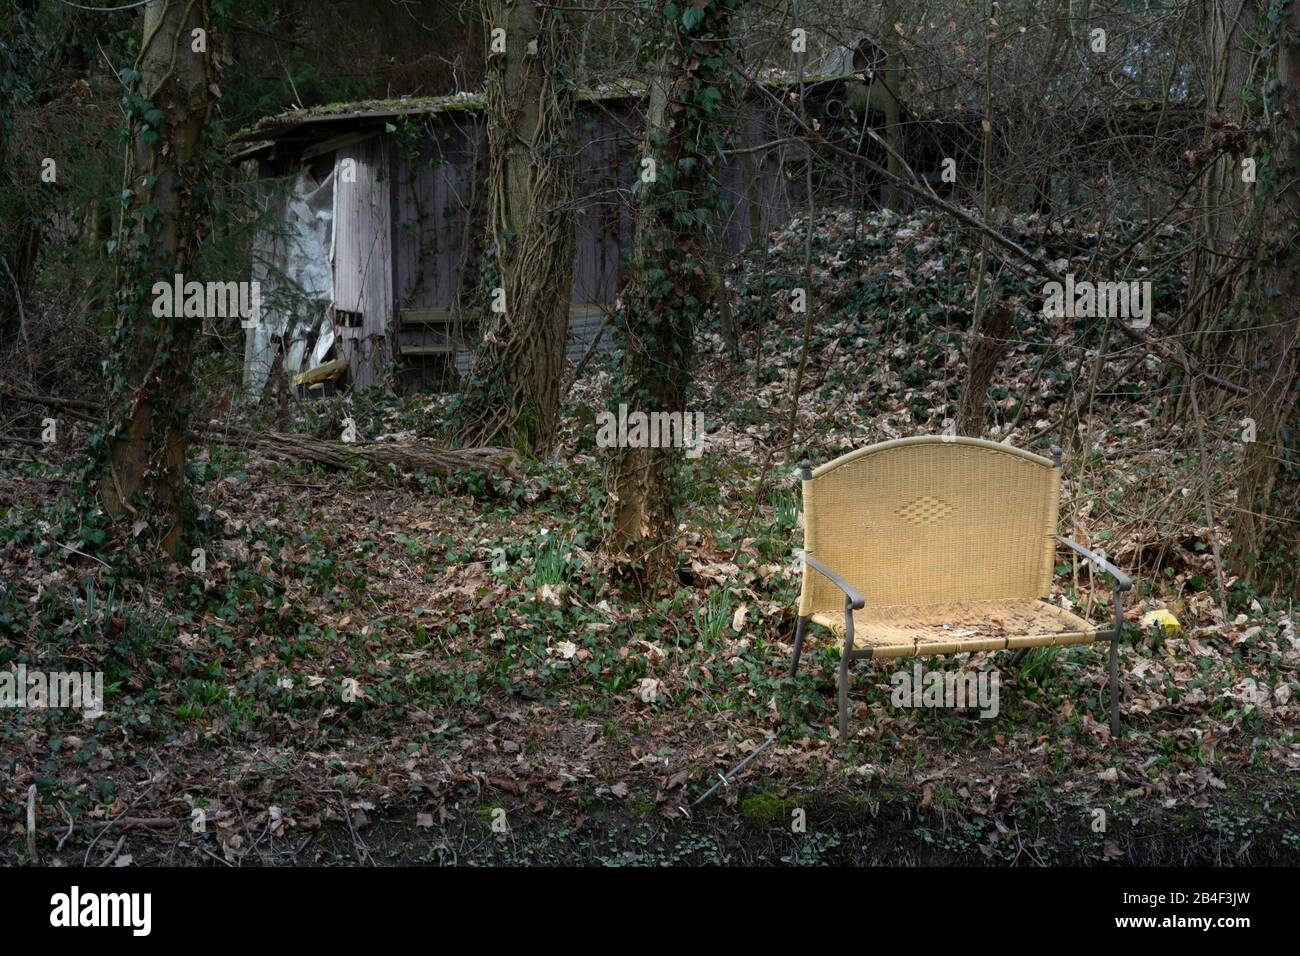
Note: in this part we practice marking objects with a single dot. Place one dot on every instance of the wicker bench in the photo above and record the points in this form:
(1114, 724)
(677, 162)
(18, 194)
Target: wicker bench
(939, 545)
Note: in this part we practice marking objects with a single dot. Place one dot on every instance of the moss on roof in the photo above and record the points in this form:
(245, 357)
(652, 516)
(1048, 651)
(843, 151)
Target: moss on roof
(404, 106)
(361, 109)
(449, 103)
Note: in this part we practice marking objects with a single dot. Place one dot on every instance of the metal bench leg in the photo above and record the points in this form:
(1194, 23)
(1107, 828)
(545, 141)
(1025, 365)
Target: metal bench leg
(846, 658)
(844, 695)
(798, 643)
(1114, 689)
(1117, 597)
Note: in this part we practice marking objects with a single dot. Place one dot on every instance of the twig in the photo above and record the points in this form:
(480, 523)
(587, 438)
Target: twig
(1206, 492)
(86, 859)
(158, 823)
(116, 850)
(82, 553)
(357, 844)
(31, 822)
(592, 348)
(127, 6)
(22, 317)
(205, 850)
(71, 826)
(921, 190)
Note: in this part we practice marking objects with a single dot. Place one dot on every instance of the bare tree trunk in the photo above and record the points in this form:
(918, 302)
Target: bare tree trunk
(891, 76)
(989, 343)
(1272, 341)
(514, 386)
(691, 96)
(810, 216)
(990, 324)
(718, 276)
(20, 236)
(1230, 57)
(166, 190)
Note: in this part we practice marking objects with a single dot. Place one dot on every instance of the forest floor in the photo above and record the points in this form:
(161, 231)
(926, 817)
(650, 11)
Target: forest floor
(378, 667)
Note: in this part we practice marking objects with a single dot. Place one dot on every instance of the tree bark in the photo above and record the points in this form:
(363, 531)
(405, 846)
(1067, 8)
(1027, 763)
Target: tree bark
(988, 328)
(891, 77)
(691, 97)
(514, 385)
(23, 202)
(165, 210)
(988, 344)
(1230, 55)
(1263, 548)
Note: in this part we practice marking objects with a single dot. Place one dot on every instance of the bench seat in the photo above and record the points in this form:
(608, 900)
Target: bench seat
(959, 627)
(941, 544)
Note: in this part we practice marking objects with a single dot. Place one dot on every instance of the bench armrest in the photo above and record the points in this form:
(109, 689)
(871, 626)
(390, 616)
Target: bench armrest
(1122, 580)
(849, 590)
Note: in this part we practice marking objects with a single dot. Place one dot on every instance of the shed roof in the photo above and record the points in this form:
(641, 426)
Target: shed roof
(318, 122)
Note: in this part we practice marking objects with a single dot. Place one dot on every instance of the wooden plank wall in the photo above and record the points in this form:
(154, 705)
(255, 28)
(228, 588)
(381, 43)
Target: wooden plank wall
(425, 217)
(757, 193)
(439, 224)
(607, 135)
(363, 257)
(439, 211)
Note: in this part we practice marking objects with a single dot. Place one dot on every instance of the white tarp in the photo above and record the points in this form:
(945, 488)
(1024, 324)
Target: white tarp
(294, 251)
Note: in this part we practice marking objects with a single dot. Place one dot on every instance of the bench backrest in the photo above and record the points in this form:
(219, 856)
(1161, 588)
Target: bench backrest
(931, 520)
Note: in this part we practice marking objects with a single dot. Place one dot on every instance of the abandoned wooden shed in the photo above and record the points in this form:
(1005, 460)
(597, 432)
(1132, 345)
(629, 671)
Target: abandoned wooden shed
(377, 213)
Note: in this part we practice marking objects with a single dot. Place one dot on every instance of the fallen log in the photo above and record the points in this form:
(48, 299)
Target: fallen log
(76, 407)
(335, 454)
(340, 454)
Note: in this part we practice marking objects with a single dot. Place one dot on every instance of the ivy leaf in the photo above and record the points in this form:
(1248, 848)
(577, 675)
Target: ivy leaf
(692, 17)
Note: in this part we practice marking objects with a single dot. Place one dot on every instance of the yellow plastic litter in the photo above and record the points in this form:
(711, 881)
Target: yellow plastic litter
(1162, 619)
